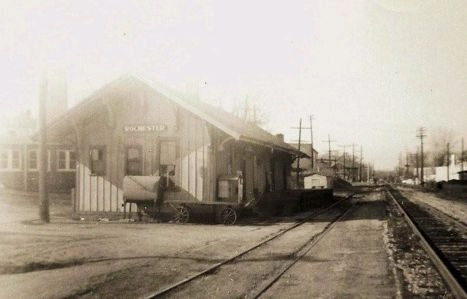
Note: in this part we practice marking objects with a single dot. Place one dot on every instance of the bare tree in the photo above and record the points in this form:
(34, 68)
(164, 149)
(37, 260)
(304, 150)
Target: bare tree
(250, 113)
(439, 139)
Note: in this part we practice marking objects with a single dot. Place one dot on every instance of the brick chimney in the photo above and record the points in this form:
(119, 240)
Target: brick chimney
(280, 137)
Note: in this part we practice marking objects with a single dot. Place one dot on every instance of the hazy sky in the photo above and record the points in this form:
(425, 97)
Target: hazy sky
(370, 72)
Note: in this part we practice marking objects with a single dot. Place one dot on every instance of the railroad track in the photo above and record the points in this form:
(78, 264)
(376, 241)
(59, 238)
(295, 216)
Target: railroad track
(343, 206)
(443, 237)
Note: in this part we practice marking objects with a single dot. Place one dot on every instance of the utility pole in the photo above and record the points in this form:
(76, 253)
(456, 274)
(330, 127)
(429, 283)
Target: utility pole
(447, 160)
(462, 154)
(406, 164)
(353, 162)
(416, 163)
(311, 145)
(368, 172)
(421, 134)
(329, 146)
(300, 128)
(43, 195)
(361, 161)
(299, 143)
(344, 146)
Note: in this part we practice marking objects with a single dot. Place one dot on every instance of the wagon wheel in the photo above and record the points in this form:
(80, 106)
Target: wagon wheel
(228, 216)
(182, 215)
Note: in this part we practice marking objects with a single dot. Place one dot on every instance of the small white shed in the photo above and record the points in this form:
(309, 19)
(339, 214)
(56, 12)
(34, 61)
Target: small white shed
(317, 181)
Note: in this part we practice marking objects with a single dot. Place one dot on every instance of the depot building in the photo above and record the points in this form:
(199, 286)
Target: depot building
(131, 127)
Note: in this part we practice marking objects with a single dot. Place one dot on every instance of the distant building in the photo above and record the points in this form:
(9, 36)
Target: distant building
(308, 165)
(451, 172)
(19, 153)
(19, 159)
(317, 181)
(429, 173)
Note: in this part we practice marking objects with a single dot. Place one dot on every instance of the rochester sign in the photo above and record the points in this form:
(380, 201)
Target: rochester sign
(145, 128)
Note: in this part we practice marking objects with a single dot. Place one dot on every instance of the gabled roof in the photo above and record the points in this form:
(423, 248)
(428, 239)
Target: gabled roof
(303, 146)
(226, 122)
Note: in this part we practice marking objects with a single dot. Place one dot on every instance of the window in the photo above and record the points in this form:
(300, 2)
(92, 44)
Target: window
(168, 152)
(168, 158)
(32, 160)
(66, 160)
(61, 160)
(10, 160)
(134, 165)
(15, 160)
(4, 154)
(72, 160)
(97, 156)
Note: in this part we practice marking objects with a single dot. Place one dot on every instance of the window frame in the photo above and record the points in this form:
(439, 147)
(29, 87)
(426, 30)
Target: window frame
(30, 151)
(169, 170)
(139, 148)
(49, 160)
(175, 141)
(9, 160)
(67, 160)
(103, 171)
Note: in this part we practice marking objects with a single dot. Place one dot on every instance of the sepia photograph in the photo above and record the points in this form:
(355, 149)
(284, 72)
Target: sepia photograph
(233, 149)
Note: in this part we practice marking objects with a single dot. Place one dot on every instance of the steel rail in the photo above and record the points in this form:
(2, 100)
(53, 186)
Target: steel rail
(310, 244)
(440, 213)
(219, 264)
(447, 276)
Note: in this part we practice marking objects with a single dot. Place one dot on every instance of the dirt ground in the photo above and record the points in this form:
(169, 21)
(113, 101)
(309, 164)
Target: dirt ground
(350, 262)
(68, 258)
(456, 207)
(73, 259)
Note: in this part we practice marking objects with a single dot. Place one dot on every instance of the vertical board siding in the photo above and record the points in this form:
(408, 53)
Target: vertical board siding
(192, 172)
(93, 193)
(106, 196)
(194, 157)
(188, 168)
(81, 187)
(114, 201)
(86, 193)
(195, 161)
(120, 201)
(185, 168)
(204, 173)
(199, 173)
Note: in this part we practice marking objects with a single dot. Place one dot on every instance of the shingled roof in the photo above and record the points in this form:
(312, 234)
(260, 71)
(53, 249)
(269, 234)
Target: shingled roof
(224, 121)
